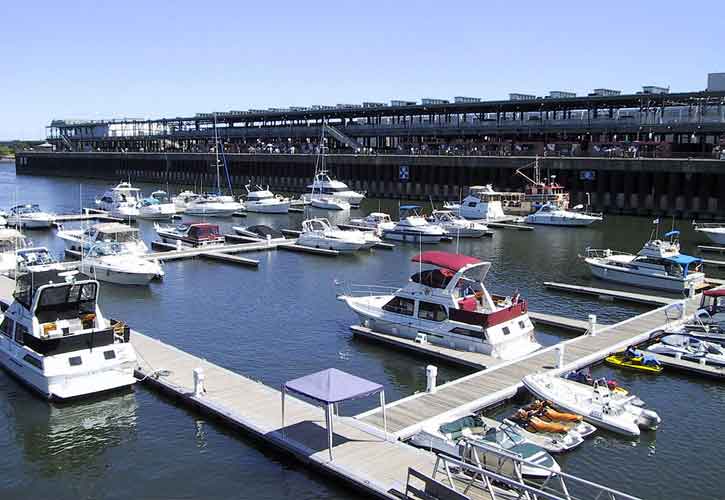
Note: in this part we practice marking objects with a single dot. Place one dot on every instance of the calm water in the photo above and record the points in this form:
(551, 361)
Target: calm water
(282, 321)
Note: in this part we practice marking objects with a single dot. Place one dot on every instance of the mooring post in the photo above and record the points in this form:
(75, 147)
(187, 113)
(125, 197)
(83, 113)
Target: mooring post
(431, 373)
(199, 381)
(593, 325)
(560, 356)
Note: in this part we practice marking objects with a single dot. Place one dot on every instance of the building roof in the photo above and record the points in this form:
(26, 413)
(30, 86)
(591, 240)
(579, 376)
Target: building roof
(452, 261)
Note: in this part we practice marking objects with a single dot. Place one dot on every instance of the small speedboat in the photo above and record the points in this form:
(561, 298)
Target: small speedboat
(156, 206)
(413, 228)
(30, 217)
(263, 201)
(551, 215)
(121, 201)
(539, 414)
(109, 262)
(211, 205)
(191, 235)
(260, 231)
(450, 438)
(658, 265)
(458, 227)
(182, 200)
(318, 233)
(110, 232)
(584, 376)
(597, 404)
(328, 202)
(632, 359)
(689, 348)
(375, 221)
(554, 437)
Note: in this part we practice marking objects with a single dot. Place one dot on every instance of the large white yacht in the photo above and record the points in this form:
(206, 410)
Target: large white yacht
(413, 227)
(30, 217)
(114, 232)
(551, 215)
(318, 233)
(325, 185)
(54, 338)
(658, 265)
(112, 263)
(261, 200)
(448, 306)
(482, 203)
(121, 201)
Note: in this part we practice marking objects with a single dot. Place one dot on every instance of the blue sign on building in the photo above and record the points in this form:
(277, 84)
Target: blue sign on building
(404, 173)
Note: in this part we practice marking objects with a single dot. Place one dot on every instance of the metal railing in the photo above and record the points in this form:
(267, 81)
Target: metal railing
(358, 290)
(499, 473)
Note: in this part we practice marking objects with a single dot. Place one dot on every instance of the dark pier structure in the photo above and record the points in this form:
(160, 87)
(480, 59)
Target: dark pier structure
(647, 153)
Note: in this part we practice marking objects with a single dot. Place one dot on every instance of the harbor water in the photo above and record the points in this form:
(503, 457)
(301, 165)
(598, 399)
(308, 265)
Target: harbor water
(282, 321)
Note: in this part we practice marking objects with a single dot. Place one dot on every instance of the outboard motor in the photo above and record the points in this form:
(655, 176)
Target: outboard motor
(649, 420)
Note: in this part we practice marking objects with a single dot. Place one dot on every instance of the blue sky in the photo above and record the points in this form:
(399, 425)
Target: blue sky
(149, 59)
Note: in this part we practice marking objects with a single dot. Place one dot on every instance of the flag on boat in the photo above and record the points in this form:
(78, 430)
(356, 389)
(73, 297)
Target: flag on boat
(656, 221)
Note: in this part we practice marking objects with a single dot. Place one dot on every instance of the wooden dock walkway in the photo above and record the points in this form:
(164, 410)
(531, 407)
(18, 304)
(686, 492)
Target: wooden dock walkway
(572, 325)
(479, 390)
(363, 456)
(614, 294)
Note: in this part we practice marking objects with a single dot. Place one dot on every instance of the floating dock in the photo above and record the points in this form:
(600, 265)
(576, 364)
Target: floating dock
(684, 365)
(506, 225)
(711, 248)
(613, 294)
(572, 325)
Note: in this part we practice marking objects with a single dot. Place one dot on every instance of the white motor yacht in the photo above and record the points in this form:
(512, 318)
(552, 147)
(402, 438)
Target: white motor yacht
(482, 203)
(212, 206)
(375, 221)
(54, 338)
(328, 202)
(326, 186)
(413, 228)
(182, 199)
(551, 215)
(318, 233)
(11, 240)
(715, 232)
(191, 235)
(263, 201)
(458, 227)
(450, 438)
(658, 265)
(157, 206)
(121, 201)
(687, 347)
(30, 217)
(449, 306)
(111, 263)
(79, 240)
(598, 404)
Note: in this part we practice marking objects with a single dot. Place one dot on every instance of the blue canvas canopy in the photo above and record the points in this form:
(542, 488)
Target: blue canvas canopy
(672, 233)
(409, 207)
(684, 261)
(330, 387)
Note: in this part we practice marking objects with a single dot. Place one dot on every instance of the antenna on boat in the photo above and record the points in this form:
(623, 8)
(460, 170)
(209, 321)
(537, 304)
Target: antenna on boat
(216, 157)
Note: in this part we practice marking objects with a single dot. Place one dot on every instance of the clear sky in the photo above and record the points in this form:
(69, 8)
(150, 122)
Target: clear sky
(96, 59)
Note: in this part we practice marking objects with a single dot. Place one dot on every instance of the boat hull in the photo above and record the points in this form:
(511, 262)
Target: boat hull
(717, 237)
(665, 283)
(411, 236)
(268, 208)
(560, 221)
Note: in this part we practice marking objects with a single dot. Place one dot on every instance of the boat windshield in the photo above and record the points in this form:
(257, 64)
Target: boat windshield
(120, 237)
(27, 209)
(471, 282)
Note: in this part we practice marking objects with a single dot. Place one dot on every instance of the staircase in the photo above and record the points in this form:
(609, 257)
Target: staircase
(348, 141)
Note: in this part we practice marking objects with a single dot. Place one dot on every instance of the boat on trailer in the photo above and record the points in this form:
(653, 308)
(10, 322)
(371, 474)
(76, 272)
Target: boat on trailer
(447, 305)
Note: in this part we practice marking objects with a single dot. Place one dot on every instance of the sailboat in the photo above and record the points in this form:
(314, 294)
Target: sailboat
(216, 204)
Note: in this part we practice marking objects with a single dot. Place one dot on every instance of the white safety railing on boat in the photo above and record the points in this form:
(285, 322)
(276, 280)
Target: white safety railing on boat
(601, 253)
(500, 473)
(358, 290)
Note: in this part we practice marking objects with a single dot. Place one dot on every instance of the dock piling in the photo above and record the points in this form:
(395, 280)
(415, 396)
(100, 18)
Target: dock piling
(593, 325)
(431, 373)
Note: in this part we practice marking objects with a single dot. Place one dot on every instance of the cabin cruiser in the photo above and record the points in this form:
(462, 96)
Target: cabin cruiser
(210, 205)
(182, 199)
(482, 203)
(156, 206)
(32, 257)
(29, 217)
(78, 240)
(110, 262)
(689, 348)
(598, 404)
(264, 201)
(448, 306)
(375, 221)
(715, 232)
(121, 201)
(318, 233)
(539, 191)
(54, 338)
(458, 227)
(11, 240)
(328, 202)
(413, 227)
(328, 187)
(191, 235)
(658, 265)
(552, 215)
(451, 438)
(259, 231)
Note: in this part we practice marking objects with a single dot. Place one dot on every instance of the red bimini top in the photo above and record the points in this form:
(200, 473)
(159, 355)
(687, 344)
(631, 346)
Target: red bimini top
(714, 293)
(445, 260)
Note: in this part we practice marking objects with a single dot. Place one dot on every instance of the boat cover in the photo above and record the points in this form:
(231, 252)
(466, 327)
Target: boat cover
(452, 261)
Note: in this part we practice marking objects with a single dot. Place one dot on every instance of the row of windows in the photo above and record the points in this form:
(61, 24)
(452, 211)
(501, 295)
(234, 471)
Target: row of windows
(426, 310)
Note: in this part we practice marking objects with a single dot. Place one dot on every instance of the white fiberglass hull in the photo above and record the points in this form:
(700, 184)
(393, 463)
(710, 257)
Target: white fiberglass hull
(213, 210)
(157, 212)
(630, 277)
(553, 220)
(125, 213)
(465, 232)
(329, 204)
(31, 223)
(73, 383)
(412, 236)
(121, 275)
(314, 241)
(716, 235)
(281, 207)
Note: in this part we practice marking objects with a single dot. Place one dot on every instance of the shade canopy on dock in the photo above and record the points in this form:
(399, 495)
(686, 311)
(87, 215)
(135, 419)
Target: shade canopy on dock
(330, 387)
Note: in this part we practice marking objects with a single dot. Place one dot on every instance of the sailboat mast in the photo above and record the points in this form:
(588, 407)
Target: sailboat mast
(216, 154)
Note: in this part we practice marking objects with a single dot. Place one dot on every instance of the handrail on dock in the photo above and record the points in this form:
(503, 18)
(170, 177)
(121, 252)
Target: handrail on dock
(499, 470)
